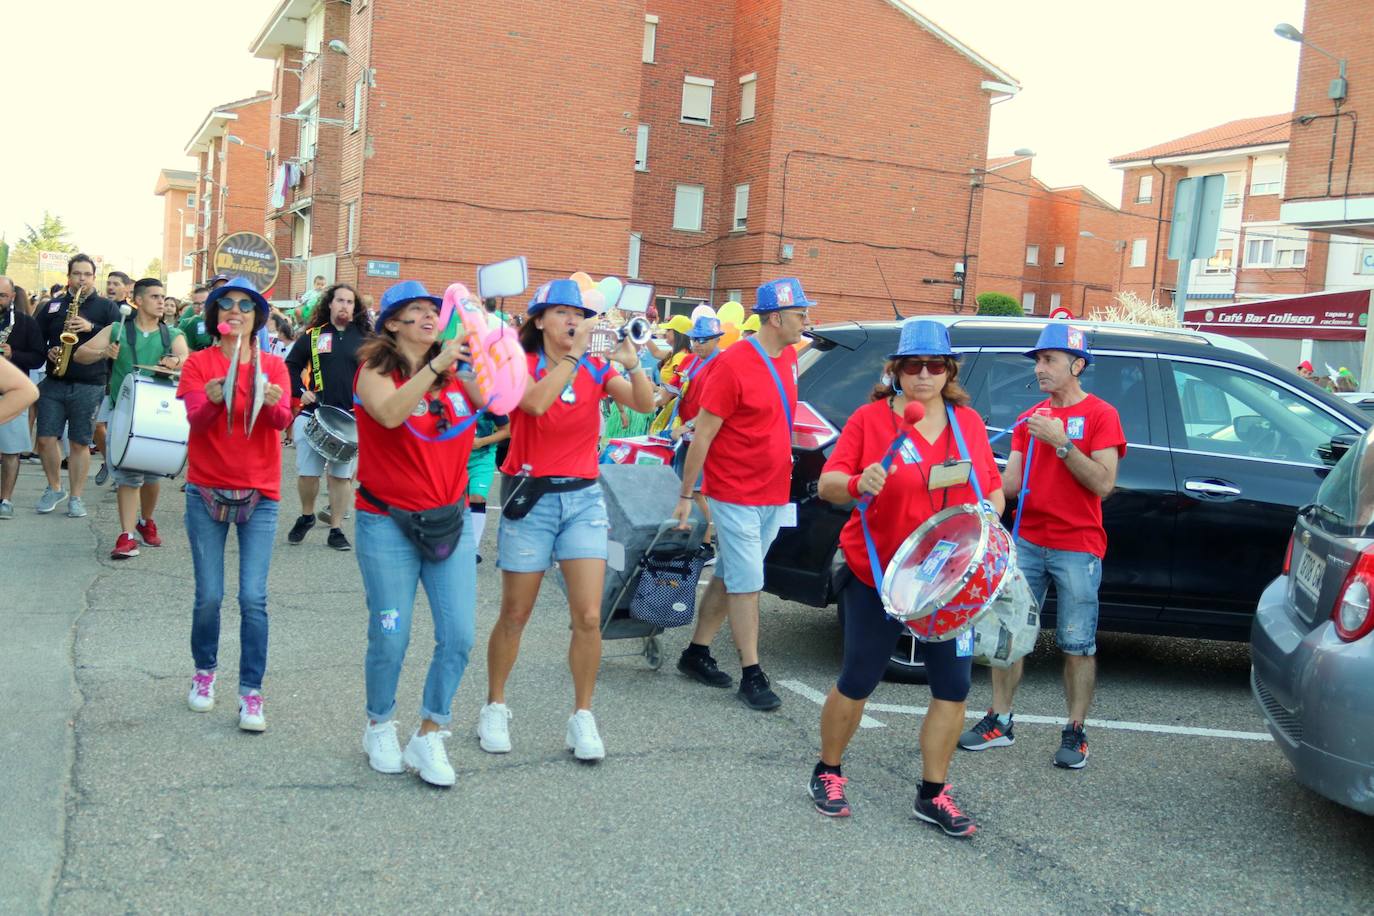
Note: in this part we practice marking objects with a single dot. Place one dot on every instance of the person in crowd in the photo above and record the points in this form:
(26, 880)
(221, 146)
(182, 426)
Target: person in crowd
(71, 398)
(118, 287)
(415, 436)
(370, 307)
(280, 336)
(22, 300)
(325, 353)
(17, 392)
(904, 496)
(21, 346)
(233, 480)
(553, 509)
(742, 441)
(144, 340)
(705, 336)
(491, 431)
(1071, 443)
(192, 323)
(311, 298)
(674, 356)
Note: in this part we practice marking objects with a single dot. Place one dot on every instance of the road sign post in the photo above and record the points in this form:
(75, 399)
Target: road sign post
(1197, 216)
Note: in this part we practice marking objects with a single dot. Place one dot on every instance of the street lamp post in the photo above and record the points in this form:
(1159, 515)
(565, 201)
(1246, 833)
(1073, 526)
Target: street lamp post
(1339, 87)
(1118, 245)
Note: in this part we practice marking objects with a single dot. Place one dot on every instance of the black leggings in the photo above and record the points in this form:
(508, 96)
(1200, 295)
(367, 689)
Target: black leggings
(869, 638)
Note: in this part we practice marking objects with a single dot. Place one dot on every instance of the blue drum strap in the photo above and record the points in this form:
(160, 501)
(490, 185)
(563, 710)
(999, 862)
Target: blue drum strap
(773, 371)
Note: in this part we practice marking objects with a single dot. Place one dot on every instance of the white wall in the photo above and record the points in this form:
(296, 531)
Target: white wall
(1343, 260)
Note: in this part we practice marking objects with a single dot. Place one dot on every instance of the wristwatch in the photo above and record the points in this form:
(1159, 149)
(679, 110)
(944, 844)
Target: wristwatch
(1063, 450)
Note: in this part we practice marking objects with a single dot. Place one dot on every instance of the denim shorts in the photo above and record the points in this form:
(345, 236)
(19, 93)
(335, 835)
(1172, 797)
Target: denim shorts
(132, 478)
(561, 526)
(1076, 577)
(743, 536)
(310, 463)
(72, 404)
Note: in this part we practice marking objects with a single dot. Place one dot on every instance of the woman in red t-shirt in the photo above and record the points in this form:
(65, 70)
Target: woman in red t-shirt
(415, 433)
(553, 509)
(233, 478)
(924, 371)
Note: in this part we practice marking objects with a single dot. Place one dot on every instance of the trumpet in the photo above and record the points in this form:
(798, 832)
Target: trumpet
(68, 336)
(606, 336)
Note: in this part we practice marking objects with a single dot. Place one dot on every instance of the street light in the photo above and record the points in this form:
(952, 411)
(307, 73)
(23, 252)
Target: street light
(267, 153)
(1119, 246)
(338, 46)
(1339, 87)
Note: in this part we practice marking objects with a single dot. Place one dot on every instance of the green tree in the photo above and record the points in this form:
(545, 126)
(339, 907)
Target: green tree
(4, 255)
(999, 304)
(154, 269)
(51, 235)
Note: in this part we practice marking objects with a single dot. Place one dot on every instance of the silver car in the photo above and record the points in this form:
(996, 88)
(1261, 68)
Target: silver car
(1312, 642)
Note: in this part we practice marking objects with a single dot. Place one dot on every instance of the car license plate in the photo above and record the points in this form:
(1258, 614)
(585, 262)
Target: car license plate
(1311, 568)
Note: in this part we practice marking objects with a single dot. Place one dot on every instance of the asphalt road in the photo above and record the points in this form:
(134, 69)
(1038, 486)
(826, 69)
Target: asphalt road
(144, 806)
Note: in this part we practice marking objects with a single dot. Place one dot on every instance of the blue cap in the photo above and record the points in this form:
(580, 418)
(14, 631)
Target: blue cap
(401, 293)
(243, 285)
(923, 337)
(786, 293)
(1060, 335)
(555, 293)
(705, 328)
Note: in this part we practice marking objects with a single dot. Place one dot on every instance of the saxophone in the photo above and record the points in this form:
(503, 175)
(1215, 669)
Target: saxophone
(68, 337)
(9, 327)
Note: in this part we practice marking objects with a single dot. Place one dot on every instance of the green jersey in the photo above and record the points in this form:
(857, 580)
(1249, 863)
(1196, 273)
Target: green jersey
(138, 347)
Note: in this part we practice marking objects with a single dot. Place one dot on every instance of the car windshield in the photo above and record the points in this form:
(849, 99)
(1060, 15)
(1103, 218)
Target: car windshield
(1345, 500)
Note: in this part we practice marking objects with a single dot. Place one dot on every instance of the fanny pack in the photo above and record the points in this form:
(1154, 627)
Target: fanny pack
(434, 531)
(230, 505)
(527, 491)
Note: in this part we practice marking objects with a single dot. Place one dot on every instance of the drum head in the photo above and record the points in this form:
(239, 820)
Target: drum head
(339, 422)
(934, 563)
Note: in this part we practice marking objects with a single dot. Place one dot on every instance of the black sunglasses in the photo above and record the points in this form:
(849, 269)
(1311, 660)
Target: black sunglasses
(436, 409)
(914, 366)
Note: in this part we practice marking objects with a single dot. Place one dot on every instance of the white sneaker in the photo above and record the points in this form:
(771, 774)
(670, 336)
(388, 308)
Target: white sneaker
(426, 754)
(583, 739)
(382, 749)
(493, 728)
(202, 698)
(250, 713)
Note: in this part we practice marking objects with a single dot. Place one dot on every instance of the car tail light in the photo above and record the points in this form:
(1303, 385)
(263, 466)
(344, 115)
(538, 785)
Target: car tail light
(1288, 554)
(1353, 616)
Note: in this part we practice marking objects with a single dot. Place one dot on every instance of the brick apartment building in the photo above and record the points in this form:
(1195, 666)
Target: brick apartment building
(703, 147)
(1047, 247)
(231, 152)
(178, 192)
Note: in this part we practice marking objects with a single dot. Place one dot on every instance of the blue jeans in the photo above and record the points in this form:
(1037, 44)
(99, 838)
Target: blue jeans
(1076, 578)
(207, 538)
(392, 567)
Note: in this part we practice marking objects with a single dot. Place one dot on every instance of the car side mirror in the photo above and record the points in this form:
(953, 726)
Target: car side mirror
(1333, 451)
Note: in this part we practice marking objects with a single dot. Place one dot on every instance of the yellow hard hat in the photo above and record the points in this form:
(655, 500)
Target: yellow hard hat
(680, 323)
(750, 324)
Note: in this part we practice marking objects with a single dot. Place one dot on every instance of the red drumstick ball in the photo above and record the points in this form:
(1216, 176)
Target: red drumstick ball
(914, 413)
(225, 329)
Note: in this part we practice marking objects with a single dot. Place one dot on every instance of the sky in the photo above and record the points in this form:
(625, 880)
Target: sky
(1098, 79)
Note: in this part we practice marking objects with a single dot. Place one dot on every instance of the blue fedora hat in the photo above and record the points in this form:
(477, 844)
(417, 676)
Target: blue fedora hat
(242, 285)
(705, 328)
(555, 293)
(923, 337)
(401, 293)
(1060, 335)
(785, 293)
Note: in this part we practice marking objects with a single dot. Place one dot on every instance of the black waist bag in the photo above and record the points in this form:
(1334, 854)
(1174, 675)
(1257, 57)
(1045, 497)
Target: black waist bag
(525, 492)
(434, 531)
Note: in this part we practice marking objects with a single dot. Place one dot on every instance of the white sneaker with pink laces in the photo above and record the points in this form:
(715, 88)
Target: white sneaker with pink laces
(250, 713)
(202, 698)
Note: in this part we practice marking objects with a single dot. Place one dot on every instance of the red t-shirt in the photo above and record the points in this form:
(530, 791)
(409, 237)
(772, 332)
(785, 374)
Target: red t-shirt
(906, 501)
(563, 442)
(406, 471)
(696, 384)
(1059, 512)
(234, 461)
(750, 461)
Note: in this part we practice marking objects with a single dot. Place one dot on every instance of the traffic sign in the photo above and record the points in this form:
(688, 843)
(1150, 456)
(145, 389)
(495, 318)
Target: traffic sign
(1061, 313)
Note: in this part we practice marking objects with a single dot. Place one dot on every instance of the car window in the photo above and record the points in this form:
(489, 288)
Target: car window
(1011, 390)
(840, 382)
(1230, 412)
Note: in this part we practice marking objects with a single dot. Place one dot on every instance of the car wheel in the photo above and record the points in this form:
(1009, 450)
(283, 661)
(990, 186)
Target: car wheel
(906, 666)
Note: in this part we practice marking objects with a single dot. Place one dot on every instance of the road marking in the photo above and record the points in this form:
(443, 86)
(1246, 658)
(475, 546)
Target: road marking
(818, 698)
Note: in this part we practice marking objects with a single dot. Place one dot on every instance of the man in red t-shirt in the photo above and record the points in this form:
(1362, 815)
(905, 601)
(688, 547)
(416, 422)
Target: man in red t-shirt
(1063, 462)
(744, 443)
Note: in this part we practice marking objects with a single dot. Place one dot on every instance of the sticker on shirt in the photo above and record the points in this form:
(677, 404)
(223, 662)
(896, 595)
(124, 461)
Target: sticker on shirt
(326, 343)
(1075, 427)
(963, 644)
(935, 561)
(789, 516)
(420, 409)
(200, 327)
(54, 307)
(459, 404)
(908, 452)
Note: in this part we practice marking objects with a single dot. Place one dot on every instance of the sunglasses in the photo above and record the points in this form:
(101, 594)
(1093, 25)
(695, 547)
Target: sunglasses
(436, 409)
(244, 305)
(914, 366)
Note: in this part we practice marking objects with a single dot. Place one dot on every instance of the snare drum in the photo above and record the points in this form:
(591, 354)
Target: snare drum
(333, 433)
(148, 428)
(948, 572)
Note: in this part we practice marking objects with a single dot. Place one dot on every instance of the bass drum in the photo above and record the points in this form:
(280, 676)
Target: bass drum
(148, 428)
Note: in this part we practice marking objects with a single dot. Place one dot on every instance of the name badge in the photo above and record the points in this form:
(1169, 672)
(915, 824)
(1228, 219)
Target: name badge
(789, 515)
(909, 453)
(54, 306)
(950, 474)
(459, 404)
(326, 343)
(1074, 427)
(200, 327)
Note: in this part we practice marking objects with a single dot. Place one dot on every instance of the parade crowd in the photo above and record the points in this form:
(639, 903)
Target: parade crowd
(423, 460)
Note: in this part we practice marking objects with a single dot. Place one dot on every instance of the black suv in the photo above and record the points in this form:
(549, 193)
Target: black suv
(1223, 450)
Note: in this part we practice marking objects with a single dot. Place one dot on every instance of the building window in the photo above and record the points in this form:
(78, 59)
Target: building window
(1275, 249)
(632, 268)
(310, 129)
(687, 207)
(741, 221)
(1146, 191)
(352, 242)
(1028, 303)
(300, 235)
(650, 38)
(1266, 178)
(1058, 255)
(191, 201)
(748, 87)
(696, 99)
(1055, 299)
(191, 229)
(1221, 262)
(734, 295)
(358, 104)
(188, 261)
(314, 34)
(642, 148)
(1138, 253)
(1032, 254)
(1235, 181)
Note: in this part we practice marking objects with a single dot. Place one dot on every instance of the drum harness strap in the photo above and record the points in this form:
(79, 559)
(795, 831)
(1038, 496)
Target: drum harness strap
(677, 402)
(133, 342)
(316, 379)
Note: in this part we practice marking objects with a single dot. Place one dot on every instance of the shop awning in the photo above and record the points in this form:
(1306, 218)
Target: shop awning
(1338, 315)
